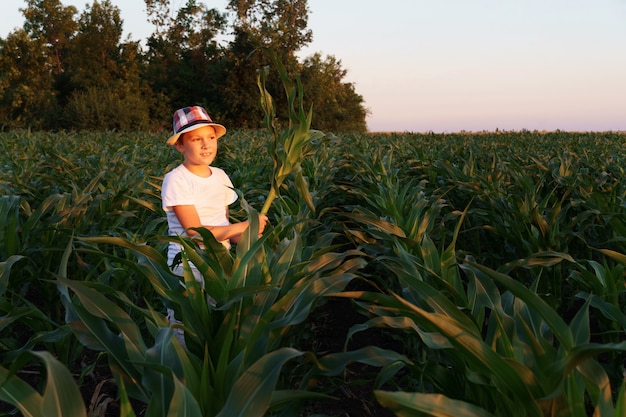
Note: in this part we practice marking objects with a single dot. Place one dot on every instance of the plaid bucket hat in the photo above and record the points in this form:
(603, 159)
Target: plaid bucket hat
(190, 118)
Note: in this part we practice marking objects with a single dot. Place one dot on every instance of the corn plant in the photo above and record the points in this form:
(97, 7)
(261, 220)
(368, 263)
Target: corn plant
(32, 319)
(60, 393)
(236, 340)
(603, 285)
(527, 361)
(543, 209)
(289, 146)
(478, 351)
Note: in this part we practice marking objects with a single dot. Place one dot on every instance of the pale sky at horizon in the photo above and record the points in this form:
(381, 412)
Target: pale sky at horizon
(454, 65)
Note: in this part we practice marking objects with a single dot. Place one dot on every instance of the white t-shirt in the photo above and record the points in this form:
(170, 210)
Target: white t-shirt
(210, 195)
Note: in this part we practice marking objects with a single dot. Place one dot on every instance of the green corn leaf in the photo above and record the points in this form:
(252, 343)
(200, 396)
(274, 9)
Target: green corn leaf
(92, 330)
(282, 398)
(183, 403)
(326, 261)
(214, 252)
(608, 310)
(252, 393)
(18, 393)
(94, 334)
(294, 306)
(291, 309)
(143, 250)
(9, 225)
(620, 406)
(226, 359)
(433, 340)
(552, 318)
(249, 268)
(289, 148)
(126, 407)
(65, 259)
(335, 363)
(61, 395)
(52, 202)
(619, 257)
(197, 309)
(5, 271)
(152, 264)
(405, 404)
(302, 186)
(580, 324)
(212, 270)
(510, 379)
(162, 364)
(382, 225)
(281, 265)
(598, 386)
(582, 353)
(442, 305)
(545, 259)
(100, 306)
(575, 396)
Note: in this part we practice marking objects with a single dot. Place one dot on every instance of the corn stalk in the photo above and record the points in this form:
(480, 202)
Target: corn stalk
(289, 146)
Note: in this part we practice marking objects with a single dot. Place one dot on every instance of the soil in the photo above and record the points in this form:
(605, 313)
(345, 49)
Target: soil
(354, 390)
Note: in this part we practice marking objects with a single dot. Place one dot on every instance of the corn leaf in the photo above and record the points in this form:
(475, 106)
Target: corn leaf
(183, 404)
(405, 404)
(252, 393)
(9, 226)
(556, 323)
(126, 408)
(5, 271)
(61, 396)
(18, 393)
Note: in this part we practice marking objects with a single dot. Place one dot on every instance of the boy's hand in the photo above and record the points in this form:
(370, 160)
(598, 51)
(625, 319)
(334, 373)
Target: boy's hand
(263, 221)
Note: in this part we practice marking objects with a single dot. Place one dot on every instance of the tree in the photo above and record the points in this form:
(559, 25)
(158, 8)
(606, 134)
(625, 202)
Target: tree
(95, 49)
(52, 24)
(183, 54)
(33, 59)
(239, 89)
(103, 88)
(336, 105)
(27, 95)
(280, 25)
(277, 24)
(62, 72)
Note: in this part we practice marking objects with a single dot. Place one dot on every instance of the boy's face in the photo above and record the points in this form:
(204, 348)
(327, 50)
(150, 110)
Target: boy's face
(199, 147)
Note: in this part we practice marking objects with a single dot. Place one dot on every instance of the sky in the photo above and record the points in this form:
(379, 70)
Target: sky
(447, 66)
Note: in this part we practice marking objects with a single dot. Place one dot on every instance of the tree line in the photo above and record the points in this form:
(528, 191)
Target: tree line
(68, 71)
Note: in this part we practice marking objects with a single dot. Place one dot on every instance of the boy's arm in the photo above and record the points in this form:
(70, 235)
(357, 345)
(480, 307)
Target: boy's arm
(188, 217)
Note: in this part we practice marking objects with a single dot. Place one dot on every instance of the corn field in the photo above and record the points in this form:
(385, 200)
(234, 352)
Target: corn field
(470, 274)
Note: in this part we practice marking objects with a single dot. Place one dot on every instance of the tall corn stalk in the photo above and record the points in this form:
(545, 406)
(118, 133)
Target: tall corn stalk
(288, 146)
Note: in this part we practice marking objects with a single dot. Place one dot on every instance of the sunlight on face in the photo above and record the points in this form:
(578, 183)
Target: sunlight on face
(199, 147)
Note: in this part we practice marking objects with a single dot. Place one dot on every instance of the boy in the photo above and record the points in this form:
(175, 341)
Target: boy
(195, 194)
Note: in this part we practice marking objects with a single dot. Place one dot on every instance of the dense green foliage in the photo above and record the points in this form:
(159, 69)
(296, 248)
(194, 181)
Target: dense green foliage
(492, 263)
(68, 71)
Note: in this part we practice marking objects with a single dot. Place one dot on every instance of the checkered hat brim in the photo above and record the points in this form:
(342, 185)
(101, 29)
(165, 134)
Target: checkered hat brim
(190, 118)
